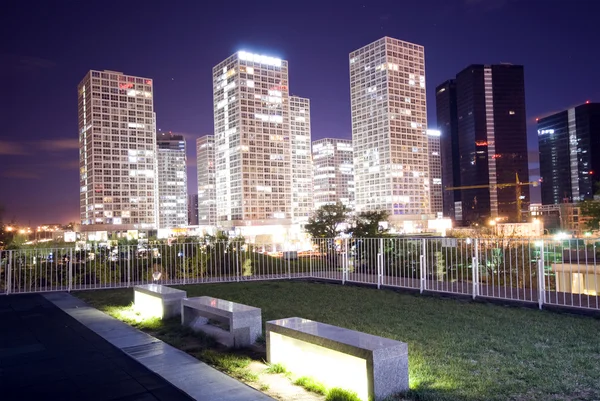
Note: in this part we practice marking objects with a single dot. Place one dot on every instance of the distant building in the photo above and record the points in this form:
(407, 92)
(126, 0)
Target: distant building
(389, 120)
(172, 180)
(252, 143)
(117, 152)
(333, 172)
(193, 210)
(207, 197)
(561, 217)
(492, 141)
(302, 169)
(570, 154)
(435, 172)
(447, 120)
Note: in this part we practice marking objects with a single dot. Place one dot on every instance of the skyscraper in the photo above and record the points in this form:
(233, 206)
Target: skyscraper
(172, 180)
(570, 154)
(302, 169)
(117, 152)
(252, 142)
(435, 172)
(447, 120)
(193, 209)
(333, 172)
(207, 198)
(389, 120)
(492, 141)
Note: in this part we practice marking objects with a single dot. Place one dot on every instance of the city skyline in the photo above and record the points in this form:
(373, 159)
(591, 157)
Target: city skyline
(40, 154)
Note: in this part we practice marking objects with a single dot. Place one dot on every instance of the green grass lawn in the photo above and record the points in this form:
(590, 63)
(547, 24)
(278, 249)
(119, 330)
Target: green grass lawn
(457, 350)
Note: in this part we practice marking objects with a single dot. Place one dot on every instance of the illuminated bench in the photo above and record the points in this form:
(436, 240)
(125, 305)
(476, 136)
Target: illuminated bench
(156, 300)
(373, 367)
(243, 323)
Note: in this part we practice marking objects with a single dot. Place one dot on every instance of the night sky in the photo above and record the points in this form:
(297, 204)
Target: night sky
(48, 46)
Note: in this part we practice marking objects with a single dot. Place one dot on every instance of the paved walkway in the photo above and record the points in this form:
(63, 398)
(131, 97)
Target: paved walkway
(45, 354)
(200, 381)
(56, 347)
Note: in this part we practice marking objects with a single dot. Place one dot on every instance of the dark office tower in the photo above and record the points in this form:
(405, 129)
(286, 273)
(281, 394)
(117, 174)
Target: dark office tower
(570, 154)
(492, 142)
(447, 121)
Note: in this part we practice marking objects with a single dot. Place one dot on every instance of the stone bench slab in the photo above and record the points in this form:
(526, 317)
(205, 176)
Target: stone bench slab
(158, 300)
(245, 322)
(374, 367)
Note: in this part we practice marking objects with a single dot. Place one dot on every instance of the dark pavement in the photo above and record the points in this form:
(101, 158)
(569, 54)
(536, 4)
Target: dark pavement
(46, 354)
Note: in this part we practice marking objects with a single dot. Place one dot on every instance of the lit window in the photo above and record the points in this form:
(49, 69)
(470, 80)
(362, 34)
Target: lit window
(511, 112)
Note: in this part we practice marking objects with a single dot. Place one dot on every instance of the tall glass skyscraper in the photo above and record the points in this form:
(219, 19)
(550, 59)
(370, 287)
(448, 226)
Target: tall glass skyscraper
(491, 129)
(569, 144)
(447, 120)
(389, 122)
(172, 181)
(435, 172)
(302, 168)
(252, 141)
(117, 152)
(333, 163)
(207, 198)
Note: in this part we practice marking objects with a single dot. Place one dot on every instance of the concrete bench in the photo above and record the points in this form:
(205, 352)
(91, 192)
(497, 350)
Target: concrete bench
(244, 323)
(373, 367)
(156, 300)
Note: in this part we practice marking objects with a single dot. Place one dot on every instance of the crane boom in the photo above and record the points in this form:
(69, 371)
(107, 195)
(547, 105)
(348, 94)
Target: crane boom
(517, 184)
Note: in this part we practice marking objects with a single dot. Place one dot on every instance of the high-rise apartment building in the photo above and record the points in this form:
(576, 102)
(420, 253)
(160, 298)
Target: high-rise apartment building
(193, 209)
(172, 180)
(207, 197)
(435, 172)
(252, 142)
(333, 164)
(492, 141)
(447, 120)
(117, 152)
(389, 120)
(302, 169)
(569, 143)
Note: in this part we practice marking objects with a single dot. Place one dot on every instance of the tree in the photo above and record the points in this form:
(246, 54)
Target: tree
(326, 221)
(590, 209)
(366, 224)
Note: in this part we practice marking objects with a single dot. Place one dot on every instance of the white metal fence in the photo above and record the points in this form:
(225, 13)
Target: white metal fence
(564, 273)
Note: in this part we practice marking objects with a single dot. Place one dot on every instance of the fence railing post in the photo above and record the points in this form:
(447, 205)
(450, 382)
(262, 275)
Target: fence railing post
(129, 253)
(380, 264)
(345, 261)
(289, 263)
(541, 278)
(8, 275)
(237, 262)
(475, 269)
(70, 269)
(423, 267)
(310, 260)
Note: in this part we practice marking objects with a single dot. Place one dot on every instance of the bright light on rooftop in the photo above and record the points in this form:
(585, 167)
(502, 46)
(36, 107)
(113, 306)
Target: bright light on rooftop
(434, 132)
(259, 58)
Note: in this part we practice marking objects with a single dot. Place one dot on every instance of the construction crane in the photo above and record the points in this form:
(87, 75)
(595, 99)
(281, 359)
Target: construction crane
(517, 184)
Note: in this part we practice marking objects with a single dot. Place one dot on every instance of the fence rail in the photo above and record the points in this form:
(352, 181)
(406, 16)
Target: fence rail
(564, 273)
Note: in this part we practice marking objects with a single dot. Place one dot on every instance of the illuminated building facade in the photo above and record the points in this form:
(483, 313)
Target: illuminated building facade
(302, 168)
(389, 120)
(333, 172)
(252, 141)
(447, 120)
(207, 198)
(435, 172)
(569, 154)
(117, 152)
(193, 209)
(492, 141)
(172, 181)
